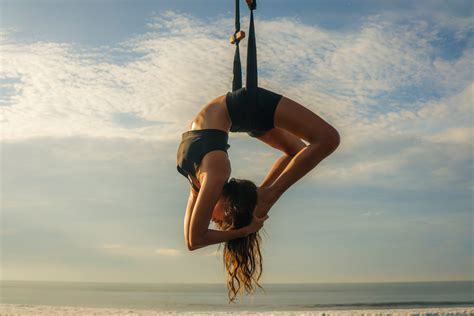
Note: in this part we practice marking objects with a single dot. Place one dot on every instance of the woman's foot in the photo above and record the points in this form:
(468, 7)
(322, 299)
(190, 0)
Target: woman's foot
(265, 200)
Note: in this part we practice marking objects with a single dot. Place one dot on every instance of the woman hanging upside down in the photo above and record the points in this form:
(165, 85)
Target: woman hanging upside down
(239, 207)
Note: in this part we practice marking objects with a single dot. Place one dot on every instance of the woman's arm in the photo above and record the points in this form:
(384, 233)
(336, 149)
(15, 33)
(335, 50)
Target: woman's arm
(290, 145)
(217, 236)
(199, 234)
(214, 172)
(189, 210)
(278, 166)
(287, 143)
(214, 235)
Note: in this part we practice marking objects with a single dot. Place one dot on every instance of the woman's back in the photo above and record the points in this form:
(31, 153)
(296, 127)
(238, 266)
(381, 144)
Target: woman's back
(214, 115)
(208, 131)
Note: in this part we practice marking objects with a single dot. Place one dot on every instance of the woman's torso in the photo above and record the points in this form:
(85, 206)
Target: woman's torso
(214, 115)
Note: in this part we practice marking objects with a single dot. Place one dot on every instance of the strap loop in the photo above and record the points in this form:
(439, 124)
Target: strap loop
(237, 37)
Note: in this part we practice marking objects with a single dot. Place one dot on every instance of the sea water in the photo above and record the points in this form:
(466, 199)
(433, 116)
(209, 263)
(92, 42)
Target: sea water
(213, 297)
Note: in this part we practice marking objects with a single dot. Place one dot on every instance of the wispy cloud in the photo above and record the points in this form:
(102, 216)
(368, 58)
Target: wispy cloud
(8, 231)
(182, 62)
(395, 101)
(169, 252)
(372, 213)
(139, 252)
(421, 148)
(214, 253)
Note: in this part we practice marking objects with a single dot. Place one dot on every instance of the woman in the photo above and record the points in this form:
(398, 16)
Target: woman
(239, 207)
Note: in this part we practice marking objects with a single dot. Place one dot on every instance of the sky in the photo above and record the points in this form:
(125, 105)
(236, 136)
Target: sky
(94, 96)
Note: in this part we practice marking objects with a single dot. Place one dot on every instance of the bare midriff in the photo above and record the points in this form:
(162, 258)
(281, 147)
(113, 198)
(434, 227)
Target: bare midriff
(214, 115)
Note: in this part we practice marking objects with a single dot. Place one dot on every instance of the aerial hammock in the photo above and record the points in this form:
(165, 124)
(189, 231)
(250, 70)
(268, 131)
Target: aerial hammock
(252, 76)
(240, 206)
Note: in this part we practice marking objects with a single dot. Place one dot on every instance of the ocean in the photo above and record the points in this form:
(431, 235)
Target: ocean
(213, 297)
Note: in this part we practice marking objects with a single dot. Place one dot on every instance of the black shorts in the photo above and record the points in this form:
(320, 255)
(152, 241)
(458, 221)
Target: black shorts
(195, 144)
(242, 118)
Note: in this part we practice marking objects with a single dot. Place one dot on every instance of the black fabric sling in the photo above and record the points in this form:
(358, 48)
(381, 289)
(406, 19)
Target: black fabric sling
(252, 74)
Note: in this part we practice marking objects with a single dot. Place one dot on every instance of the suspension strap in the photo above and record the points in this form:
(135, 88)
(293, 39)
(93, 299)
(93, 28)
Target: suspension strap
(252, 74)
(235, 39)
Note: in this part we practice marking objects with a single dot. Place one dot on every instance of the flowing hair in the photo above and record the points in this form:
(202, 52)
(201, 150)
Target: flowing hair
(241, 256)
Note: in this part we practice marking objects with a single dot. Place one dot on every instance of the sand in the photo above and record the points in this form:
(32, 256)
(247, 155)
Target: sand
(15, 309)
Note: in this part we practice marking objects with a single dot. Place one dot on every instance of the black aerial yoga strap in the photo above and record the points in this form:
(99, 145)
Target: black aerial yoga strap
(252, 78)
(237, 79)
(252, 75)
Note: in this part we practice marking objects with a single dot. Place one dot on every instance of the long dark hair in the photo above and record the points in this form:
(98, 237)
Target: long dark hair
(241, 256)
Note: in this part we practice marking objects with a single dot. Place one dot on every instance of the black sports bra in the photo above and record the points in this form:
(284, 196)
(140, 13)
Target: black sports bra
(195, 144)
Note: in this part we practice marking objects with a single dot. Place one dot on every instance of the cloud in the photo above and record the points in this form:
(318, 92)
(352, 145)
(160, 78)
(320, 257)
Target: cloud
(182, 63)
(139, 252)
(461, 136)
(371, 213)
(421, 148)
(8, 231)
(131, 120)
(169, 252)
(111, 246)
(383, 85)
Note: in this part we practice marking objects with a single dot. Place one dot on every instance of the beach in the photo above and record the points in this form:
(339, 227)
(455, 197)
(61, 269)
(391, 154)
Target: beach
(96, 298)
(18, 309)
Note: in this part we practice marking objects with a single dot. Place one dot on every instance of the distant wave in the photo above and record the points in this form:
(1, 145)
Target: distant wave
(45, 310)
(393, 304)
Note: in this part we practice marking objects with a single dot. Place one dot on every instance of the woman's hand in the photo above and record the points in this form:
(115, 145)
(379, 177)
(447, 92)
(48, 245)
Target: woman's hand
(256, 224)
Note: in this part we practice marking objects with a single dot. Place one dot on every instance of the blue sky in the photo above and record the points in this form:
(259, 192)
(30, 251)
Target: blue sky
(95, 95)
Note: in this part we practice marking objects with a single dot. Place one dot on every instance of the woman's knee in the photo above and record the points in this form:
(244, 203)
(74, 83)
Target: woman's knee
(334, 138)
(305, 124)
(330, 138)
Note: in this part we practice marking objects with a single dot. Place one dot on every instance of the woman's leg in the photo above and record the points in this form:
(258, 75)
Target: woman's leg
(323, 139)
(290, 145)
(287, 143)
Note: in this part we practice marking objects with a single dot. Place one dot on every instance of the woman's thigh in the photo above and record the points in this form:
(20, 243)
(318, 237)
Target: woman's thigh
(302, 122)
(282, 140)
